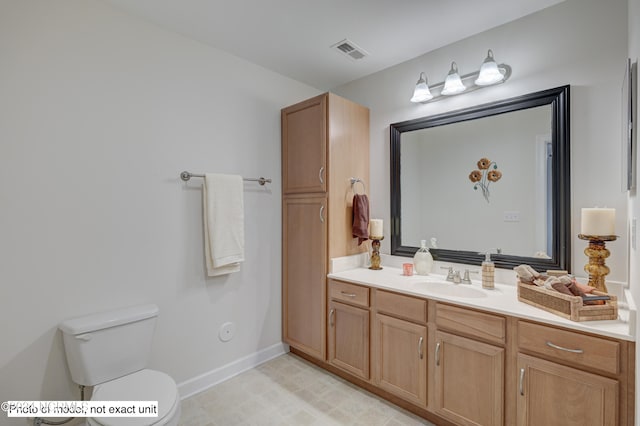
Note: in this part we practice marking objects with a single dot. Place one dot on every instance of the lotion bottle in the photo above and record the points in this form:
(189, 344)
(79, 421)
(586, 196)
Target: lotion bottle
(488, 272)
(422, 260)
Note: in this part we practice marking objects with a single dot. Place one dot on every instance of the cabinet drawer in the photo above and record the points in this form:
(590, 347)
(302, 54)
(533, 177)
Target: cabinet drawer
(472, 323)
(350, 293)
(576, 349)
(401, 306)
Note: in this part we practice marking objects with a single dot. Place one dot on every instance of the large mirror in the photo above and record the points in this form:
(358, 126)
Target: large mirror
(489, 178)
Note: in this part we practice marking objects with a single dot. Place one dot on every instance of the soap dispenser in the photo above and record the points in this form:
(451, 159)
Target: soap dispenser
(422, 260)
(488, 272)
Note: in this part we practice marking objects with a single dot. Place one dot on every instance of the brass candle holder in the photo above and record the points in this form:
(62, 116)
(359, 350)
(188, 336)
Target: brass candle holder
(597, 253)
(375, 252)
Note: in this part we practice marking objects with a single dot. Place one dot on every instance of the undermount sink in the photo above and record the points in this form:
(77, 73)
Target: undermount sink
(455, 290)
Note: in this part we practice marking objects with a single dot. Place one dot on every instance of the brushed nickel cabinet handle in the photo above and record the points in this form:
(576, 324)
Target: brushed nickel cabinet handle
(573, 351)
(320, 173)
(331, 313)
(344, 293)
(438, 354)
(321, 214)
(420, 354)
(521, 381)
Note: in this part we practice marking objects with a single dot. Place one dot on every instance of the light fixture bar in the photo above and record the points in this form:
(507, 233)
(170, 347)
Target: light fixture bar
(470, 81)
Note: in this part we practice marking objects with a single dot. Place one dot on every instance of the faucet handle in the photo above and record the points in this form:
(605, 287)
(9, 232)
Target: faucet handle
(466, 278)
(449, 272)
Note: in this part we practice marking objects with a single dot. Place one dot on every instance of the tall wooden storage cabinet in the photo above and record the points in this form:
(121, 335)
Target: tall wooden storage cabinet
(325, 142)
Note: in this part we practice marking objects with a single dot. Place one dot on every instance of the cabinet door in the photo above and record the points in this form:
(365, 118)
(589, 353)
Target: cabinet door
(551, 394)
(349, 338)
(469, 380)
(304, 274)
(401, 359)
(304, 146)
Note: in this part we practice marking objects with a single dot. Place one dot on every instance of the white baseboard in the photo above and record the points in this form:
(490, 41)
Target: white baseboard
(205, 381)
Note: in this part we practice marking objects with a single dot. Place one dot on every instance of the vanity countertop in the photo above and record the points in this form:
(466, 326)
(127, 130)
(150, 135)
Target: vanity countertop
(502, 300)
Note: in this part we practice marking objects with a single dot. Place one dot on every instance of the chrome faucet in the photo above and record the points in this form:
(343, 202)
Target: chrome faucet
(456, 277)
(465, 278)
(449, 272)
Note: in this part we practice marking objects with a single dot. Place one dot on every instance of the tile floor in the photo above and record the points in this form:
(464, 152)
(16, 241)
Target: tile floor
(291, 391)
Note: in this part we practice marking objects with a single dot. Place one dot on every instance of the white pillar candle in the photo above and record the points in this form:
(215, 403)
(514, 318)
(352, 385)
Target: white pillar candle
(375, 229)
(598, 221)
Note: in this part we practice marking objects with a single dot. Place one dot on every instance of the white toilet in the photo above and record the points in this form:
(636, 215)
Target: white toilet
(109, 350)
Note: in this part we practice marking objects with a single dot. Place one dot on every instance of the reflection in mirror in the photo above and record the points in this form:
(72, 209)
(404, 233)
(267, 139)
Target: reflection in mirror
(493, 177)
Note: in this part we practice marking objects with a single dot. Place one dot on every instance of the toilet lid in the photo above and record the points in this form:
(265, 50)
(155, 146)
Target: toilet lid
(143, 385)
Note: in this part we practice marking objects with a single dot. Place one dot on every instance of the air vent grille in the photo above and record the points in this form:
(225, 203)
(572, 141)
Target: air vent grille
(350, 49)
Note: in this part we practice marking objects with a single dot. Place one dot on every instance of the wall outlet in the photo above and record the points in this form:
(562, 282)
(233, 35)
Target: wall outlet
(511, 216)
(227, 331)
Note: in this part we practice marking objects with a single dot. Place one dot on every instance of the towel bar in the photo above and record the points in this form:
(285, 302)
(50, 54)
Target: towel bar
(185, 176)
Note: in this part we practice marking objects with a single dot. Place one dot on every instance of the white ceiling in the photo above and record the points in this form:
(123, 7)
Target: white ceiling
(293, 37)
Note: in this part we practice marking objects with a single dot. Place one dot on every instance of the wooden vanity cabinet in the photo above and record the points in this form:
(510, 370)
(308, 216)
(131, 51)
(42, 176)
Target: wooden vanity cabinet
(569, 378)
(469, 373)
(304, 301)
(325, 142)
(349, 326)
(551, 394)
(400, 346)
(304, 146)
(456, 365)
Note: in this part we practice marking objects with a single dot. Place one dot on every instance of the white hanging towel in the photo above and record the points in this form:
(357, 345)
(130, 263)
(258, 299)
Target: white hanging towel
(223, 203)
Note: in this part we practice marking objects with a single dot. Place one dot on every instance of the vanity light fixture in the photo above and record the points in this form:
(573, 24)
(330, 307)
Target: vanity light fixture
(453, 84)
(490, 73)
(422, 92)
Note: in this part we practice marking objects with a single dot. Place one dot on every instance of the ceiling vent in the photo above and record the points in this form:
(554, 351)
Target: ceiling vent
(349, 48)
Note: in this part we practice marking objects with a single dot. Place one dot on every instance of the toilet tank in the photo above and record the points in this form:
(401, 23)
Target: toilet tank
(107, 345)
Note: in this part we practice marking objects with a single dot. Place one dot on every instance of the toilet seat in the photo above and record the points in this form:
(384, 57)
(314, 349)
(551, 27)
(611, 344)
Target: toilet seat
(143, 385)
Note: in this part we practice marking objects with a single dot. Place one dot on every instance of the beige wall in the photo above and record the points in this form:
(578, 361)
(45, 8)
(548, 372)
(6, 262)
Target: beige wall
(99, 113)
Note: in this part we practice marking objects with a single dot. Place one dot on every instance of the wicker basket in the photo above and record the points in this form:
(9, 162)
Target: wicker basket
(569, 307)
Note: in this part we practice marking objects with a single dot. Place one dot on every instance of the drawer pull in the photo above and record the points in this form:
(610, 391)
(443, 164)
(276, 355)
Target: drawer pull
(420, 354)
(438, 354)
(320, 175)
(331, 314)
(344, 293)
(573, 351)
(521, 381)
(321, 214)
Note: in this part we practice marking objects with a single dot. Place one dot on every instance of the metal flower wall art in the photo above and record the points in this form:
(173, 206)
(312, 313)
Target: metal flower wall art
(488, 172)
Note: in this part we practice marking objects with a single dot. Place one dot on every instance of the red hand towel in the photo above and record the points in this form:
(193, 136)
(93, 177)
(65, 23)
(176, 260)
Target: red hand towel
(360, 227)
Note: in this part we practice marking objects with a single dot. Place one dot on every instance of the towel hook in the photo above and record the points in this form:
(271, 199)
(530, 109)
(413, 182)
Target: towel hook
(357, 180)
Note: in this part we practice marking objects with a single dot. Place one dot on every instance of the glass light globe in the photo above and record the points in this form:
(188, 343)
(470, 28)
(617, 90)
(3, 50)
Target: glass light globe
(489, 72)
(453, 84)
(421, 92)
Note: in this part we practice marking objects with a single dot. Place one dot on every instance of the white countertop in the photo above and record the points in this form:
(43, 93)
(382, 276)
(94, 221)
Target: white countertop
(502, 300)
